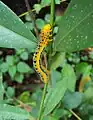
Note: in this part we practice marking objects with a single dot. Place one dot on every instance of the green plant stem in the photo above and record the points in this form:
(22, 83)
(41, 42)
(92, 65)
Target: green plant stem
(45, 86)
(52, 18)
(42, 102)
(52, 12)
(78, 118)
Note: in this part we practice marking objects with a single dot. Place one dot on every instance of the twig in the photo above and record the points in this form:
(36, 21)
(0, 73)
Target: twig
(78, 118)
(32, 17)
(25, 13)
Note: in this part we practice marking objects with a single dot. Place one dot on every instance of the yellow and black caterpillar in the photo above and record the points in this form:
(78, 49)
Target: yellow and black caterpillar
(45, 38)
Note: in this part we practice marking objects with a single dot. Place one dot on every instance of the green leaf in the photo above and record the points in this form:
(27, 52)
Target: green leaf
(37, 8)
(72, 100)
(57, 60)
(24, 55)
(19, 78)
(28, 18)
(57, 1)
(29, 25)
(40, 23)
(12, 71)
(45, 2)
(55, 29)
(10, 60)
(60, 112)
(91, 117)
(23, 67)
(75, 27)
(49, 118)
(10, 91)
(13, 32)
(57, 19)
(83, 68)
(69, 74)
(88, 93)
(1, 87)
(8, 112)
(55, 77)
(4, 67)
(54, 96)
(47, 18)
(24, 97)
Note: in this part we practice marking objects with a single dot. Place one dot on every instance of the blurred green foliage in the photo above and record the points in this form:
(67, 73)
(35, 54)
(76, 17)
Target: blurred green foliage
(67, 69)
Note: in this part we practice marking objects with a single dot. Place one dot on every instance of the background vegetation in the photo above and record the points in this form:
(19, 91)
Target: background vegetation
(70, 58)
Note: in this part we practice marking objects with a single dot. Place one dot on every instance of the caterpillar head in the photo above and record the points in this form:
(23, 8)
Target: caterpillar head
(46, 33)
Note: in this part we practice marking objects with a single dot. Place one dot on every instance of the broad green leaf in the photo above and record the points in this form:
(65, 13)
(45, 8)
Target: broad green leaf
(54, 96)
(23, 67)
(10, 112)
(13, 32)
(57, 60)
(55, 77)
(69, 74)
(72, 99)
(75, 27)
(1, 87)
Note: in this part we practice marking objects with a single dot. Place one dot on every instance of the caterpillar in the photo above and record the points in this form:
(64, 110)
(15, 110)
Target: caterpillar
(45, 38)
(83, 81)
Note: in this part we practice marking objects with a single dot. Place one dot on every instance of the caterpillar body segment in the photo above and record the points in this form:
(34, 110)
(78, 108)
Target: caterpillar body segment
(45, 38)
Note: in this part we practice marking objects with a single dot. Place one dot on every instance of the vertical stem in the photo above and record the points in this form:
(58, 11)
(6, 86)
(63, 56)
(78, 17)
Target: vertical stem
(52, 12)
(45, 86)
(52, 24)
(42, 102)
